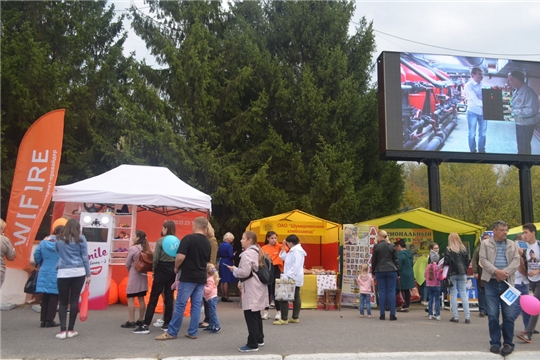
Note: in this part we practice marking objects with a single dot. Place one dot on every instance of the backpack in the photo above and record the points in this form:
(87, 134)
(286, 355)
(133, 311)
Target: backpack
(265, 272)
(145, 262)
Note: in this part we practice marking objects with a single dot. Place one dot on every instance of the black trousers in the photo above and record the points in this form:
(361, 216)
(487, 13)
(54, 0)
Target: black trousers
(524, 134)
(206, 311)
(69, 290)
(255, 328)
(272, 288)
(297, 305)
(406, 297)
(163, 280)
(49, 302)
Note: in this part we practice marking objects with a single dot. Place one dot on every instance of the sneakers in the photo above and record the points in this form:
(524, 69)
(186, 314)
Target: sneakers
(370, 316)
(272, 305)
(438, 318)
(165, 327)
(215, 331)
(294, 321)
(425, 303)
(128, 324)
(482, 314)
(454, 320)
(159, 323)
(260, 344)
(524, 338)
(430, 317)
(143, 329)
(246, 348)
(165, 336)
(265, 315)
(278, 316)
(61, 335)
(72, 333)
(494, 349)
(281, 322)
(506, 350)
(192, 337)
(467, 321)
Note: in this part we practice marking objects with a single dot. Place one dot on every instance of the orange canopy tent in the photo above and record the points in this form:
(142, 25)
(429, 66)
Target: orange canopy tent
(319, 237)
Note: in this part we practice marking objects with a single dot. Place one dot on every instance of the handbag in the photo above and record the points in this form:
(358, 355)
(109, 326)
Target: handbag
(285, 289)
(448, 283)
(415, 294)
(145, 262)
(83, 307)
(30, 286)
(400, 301)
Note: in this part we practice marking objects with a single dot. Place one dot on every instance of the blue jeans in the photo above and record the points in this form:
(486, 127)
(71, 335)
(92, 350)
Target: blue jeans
(187, 290)
(365, 301)
(473, 120)
(460, 282)
(434, 296)
(524, 290)
(494, 290)
(386, 283)
(213, 321)
(482, 300)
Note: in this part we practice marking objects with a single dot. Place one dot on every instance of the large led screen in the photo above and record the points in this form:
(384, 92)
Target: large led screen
(458, 108)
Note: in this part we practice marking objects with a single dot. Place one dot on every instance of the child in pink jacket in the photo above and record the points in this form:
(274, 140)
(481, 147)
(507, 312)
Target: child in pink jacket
(433, 283)
(365, 283)
(210, 295)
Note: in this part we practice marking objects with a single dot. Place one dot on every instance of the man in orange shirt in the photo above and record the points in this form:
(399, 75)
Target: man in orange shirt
(272, 248)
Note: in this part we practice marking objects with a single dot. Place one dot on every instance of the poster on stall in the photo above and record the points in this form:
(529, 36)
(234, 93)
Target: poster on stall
(417, 240)
(357, 250)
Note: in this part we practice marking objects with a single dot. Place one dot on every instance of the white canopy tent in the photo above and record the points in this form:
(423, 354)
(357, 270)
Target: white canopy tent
(146, 186)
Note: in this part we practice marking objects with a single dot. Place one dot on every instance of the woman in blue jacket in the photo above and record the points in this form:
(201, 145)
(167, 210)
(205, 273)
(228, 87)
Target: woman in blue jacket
(73, 268)
(46, 258)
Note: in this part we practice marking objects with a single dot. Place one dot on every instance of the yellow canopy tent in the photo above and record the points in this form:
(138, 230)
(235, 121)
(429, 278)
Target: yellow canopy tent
(441, 225)
(319, 237)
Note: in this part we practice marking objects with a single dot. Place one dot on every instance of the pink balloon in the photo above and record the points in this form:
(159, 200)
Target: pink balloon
(530, 304)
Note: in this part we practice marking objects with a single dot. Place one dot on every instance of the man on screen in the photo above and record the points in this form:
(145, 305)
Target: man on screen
(524, 110)
(475, 111)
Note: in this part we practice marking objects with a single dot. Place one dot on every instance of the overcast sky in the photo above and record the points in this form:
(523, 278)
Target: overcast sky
(508, 30)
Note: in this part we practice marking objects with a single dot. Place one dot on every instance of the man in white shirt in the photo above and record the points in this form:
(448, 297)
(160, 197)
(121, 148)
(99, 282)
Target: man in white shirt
(533, 272)
(475, 111)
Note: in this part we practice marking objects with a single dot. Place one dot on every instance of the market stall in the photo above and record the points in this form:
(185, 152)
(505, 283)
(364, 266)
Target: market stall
(111, 206)
(418, 228)
(319, 238)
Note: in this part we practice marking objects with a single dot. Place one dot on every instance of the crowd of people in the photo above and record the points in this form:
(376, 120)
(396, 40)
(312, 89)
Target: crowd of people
(498, 264)
(200, 265)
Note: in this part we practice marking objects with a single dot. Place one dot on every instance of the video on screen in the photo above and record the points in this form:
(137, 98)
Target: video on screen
(459, 104)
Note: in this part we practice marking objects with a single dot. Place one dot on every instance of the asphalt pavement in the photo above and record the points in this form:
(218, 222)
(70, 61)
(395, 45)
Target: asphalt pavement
(320, 334)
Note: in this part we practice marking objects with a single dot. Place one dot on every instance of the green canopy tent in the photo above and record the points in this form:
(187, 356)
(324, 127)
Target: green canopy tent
(441, 225)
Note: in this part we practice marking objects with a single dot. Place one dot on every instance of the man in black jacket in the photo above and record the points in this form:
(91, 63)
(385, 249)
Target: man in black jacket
(384, 266)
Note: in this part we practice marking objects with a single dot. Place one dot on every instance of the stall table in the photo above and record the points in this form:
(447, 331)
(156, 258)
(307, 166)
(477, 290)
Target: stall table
(313, 289)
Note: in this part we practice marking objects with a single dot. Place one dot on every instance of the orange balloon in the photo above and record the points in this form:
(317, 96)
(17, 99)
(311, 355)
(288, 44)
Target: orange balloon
(122, 294)
(113, 292)
(58, 222)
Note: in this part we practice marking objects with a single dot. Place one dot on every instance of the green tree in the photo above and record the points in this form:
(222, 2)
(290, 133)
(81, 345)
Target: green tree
(69, 55)
(274, 106)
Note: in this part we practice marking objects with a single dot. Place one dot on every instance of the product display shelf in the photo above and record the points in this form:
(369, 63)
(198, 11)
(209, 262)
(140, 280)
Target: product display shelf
(122, 233)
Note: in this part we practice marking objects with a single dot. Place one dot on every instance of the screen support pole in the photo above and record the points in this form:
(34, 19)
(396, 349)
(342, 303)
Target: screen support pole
(525, 192)
(434, 185)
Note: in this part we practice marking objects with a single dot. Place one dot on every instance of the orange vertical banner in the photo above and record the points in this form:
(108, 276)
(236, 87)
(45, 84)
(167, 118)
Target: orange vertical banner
(33, 183)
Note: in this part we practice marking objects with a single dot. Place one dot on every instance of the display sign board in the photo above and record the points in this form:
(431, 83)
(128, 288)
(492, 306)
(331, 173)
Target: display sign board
(98, 227)
(285, 227)
(357, 250)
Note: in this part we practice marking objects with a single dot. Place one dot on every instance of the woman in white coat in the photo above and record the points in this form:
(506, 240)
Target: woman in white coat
(254, 293)
(293, 269)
